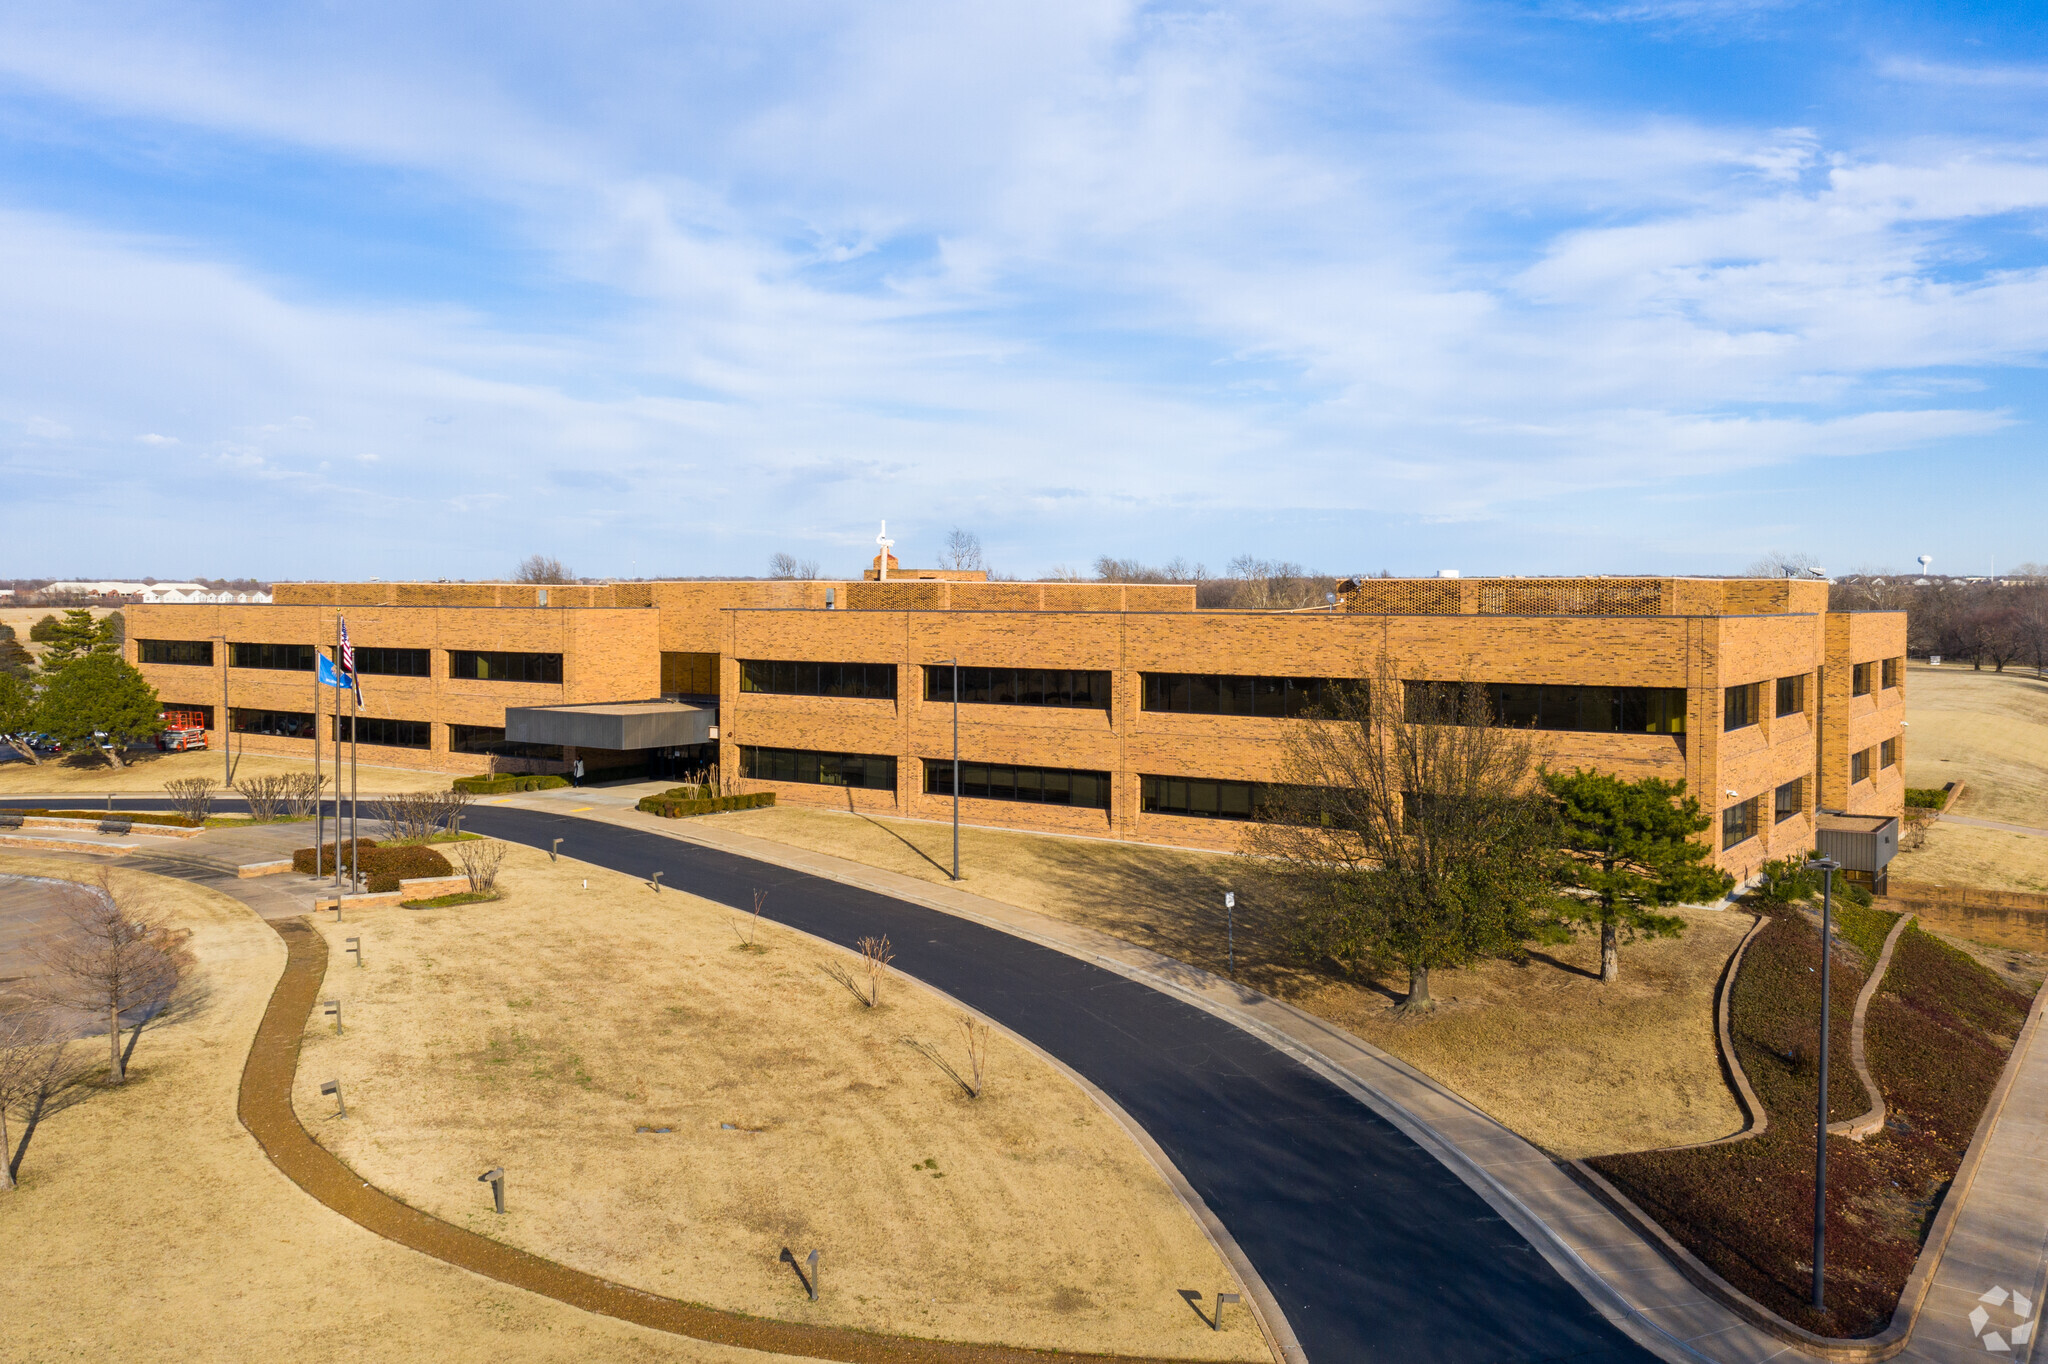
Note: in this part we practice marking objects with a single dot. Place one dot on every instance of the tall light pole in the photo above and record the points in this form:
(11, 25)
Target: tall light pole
(1827, 867)
(955, 661)
(227, 762)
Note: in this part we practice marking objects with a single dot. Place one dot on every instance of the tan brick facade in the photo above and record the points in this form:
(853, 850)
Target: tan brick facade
(1703, 635)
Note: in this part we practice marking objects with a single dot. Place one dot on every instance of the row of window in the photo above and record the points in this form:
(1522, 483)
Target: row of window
(481, 665)
(871, 771)
(1039, 785)
(1885, 672)
(1230, 694)
(1586, 710)
(782, 677)
(1019, 686)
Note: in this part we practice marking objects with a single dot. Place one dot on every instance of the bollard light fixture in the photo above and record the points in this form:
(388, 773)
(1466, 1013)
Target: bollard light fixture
(354, 945)
(334, 1087)
(555, 851)
(334, 1011)
(657, 883)
(495, 1177)
(1221, 1298)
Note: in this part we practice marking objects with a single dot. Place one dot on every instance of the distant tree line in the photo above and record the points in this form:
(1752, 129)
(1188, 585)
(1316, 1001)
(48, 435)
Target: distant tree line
(1996, 621)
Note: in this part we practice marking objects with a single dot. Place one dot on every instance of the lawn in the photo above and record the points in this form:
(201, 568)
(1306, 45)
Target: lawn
(556, 1030)
(1963, 855)
(1938, 1034)
(1574, 1066)
(148, 770)
(199, 1250)
(1986, 729)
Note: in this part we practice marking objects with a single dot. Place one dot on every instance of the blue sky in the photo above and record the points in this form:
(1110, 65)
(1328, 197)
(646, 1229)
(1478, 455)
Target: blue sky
(1561, 286)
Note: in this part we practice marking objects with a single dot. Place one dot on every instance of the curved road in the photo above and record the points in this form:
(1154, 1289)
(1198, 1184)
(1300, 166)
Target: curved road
(1373, 1249)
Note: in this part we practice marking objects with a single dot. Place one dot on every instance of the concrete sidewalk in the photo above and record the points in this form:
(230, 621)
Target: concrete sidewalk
(2000, 1241)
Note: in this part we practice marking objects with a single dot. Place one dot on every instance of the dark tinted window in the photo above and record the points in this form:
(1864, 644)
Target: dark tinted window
(372, 729)
(284, 724)
(859, 681)
(868, 770)
(1738, 823)
(395, 662)
(192, 652)
(1236, 694)
(491, 739)
(291, 657)
(1790, 800)
(996, 781)
(1018, 686)
(1738, 708)
(689, 674)
(1211, 798)
(477, 665)
(1860, 679)
(1791, 695)
(1590, 710)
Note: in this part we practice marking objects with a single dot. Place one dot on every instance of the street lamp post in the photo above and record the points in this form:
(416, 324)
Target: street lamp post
(1827, 867)
(955, 661)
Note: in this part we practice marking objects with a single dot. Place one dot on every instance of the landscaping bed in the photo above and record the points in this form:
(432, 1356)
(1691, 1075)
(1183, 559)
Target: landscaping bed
(1937, 1035)
(499, 784)
(383, 865)
(676, 804)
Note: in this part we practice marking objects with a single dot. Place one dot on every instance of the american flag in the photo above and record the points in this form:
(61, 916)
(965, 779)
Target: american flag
(348, 662)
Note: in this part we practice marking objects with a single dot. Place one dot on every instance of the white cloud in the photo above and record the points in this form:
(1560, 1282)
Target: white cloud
(152, 438)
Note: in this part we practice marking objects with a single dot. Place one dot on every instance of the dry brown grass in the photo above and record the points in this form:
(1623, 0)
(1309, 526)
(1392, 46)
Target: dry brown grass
(540, 1031)
(147, 771)
(1577, 1067)
(1984, 728)
(149, 1225)
(23, 619)
(1993, 859)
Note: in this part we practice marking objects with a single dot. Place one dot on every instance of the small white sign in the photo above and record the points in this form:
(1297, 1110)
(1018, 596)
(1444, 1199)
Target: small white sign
(1230, 899)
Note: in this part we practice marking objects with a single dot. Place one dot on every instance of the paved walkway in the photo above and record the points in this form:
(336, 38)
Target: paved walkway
(1994, 824)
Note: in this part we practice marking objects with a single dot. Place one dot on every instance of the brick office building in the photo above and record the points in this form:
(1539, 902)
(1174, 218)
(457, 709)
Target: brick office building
(1094, 709)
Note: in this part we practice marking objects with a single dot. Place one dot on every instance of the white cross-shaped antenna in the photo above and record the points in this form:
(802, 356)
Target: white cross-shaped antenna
(886, 543)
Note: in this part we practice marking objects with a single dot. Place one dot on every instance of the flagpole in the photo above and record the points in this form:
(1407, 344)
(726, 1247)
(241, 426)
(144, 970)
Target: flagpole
(337, 762)
(319, 811)
(355, 828)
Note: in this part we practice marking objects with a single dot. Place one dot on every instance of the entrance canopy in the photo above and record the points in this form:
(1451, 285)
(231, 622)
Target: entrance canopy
(614, 724)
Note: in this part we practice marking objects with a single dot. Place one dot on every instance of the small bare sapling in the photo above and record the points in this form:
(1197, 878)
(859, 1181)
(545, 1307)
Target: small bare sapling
(749, 936)
(267, 796)
(976, 1033)
(875, 956)
(302, 794)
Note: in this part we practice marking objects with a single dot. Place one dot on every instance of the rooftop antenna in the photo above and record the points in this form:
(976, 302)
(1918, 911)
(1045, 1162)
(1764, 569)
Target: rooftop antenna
(887, 544)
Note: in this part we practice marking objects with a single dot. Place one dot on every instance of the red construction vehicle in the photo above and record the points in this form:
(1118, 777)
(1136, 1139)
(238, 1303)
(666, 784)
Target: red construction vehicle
(184, 731)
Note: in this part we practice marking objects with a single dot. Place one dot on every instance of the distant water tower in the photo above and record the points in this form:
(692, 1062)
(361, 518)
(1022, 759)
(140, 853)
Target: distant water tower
(1925, 560)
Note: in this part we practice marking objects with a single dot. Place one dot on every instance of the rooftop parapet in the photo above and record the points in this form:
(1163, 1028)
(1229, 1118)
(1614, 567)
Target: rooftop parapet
(1581, 596)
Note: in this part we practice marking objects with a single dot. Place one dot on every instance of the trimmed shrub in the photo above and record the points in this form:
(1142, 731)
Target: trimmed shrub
(1925, 797)
(502, 783)
(668, 808)
(383, 865)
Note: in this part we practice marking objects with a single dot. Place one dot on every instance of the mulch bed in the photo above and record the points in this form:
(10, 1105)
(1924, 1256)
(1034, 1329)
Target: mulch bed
(1936, 1036)
(383, 865)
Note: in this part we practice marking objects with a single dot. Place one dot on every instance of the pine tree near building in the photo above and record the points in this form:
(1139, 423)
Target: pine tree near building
(98, 703)
(1631, 850)
(78, 636)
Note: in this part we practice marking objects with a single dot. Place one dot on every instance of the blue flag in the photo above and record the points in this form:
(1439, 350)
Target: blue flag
(331, 676)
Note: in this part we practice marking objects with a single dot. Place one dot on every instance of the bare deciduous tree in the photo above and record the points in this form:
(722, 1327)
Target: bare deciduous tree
(542, 569)
(266, 795)
(1779, 563)
(480, 862)
(1177, 570)
(110, 962)
(789, 566)
(192, 797)
(1404, 830)
(35, 1068)
(962, 551)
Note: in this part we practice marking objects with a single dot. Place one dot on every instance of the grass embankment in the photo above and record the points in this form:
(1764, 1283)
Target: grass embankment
(148, 770)
(1990, 859)
(557, 1030)
(202, 1251)
(1575, 1066)
(1938, 1033)
(1988, 730)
